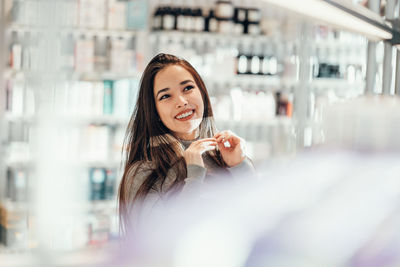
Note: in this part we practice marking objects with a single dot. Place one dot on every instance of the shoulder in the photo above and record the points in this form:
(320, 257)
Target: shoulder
(140, 166)
(139, 171)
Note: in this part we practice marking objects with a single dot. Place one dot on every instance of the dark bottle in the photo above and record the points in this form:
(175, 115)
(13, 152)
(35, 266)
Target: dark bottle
(179, 19)
(199, 20)
(169, 17)
(157, 19)
(184, 23)
(255, 64)
(253, 15)
(241, 61)
(224, 10)
(211, 24)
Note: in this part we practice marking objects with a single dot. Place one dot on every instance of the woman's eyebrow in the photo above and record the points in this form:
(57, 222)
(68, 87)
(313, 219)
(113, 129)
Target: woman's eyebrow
(186, 81)
(162, 90)
(166, 89)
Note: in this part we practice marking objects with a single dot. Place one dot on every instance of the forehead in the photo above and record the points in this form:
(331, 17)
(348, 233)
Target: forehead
(171, 76)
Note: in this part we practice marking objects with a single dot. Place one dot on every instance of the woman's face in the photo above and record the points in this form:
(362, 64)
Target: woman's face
(178, 101)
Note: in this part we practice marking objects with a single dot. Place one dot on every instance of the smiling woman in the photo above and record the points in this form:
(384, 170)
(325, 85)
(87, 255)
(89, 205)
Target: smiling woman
(173, 147)
(180, 104)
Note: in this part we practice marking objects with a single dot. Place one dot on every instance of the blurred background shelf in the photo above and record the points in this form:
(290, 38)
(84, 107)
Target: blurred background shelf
(76, 32)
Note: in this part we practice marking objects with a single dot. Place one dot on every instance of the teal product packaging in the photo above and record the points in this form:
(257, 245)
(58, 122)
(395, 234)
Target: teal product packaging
(136, 16)
(108, 97)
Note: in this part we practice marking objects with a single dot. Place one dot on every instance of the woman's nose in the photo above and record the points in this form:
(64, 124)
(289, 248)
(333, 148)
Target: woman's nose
(182, 101)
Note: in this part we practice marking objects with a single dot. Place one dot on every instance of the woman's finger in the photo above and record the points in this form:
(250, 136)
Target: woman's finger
(208, 143)
(212, 139)
(208, 148)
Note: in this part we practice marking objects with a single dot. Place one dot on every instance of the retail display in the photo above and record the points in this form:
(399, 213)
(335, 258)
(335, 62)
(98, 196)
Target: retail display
(223, 18)
(251, 72)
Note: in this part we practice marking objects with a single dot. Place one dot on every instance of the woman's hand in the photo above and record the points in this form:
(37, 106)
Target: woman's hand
(232, 147)
(193, 153)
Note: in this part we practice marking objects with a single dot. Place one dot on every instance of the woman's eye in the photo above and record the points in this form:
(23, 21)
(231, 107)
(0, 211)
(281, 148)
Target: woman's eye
(187, 88)
(164, 97)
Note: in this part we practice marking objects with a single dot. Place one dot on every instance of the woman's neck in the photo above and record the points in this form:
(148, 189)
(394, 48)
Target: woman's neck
(188, 137)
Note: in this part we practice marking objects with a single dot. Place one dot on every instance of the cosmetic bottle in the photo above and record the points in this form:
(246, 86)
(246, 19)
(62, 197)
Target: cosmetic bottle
(157, 19)
(189, 19)
(238, 19)
(252, 28)
(199, 20)
(241, 61)
(255, 64)
(240, 14)
(264, 62)
(213, 23)
(225, 25)
(224, 10)
(273, 65)
(180, 19)
(168, 20)
(255, 51)
(253, 15)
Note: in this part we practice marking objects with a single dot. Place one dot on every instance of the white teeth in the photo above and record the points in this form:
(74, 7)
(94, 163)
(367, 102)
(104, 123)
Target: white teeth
(184, 115)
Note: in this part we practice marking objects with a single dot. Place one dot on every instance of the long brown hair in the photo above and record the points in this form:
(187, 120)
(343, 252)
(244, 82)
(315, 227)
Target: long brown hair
(149, 140)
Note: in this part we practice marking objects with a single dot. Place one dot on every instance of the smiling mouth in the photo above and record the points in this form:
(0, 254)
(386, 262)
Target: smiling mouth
(187, 115)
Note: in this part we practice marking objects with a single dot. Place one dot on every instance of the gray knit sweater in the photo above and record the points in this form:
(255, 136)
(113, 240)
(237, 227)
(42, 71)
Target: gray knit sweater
(198, 178)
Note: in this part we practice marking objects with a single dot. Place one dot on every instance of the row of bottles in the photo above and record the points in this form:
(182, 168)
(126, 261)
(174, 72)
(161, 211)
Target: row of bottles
(86, 145)
(92, 14)
(353, 73)
(76, 98)
(101, 184)
(241, 104)
(18, 228)
(257, 64)
(224, 17)
(76, 53)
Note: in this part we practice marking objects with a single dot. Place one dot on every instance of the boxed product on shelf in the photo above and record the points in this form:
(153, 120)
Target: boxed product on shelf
(121, 57)
(102, 183)
(17, 185)
(96, 98)
(111, 180)
(84, 55)
(124, 98)
(14, 226)
(136, 15)
(101, 56)
(116, 15)
(97, 178)
(92, 13)
(99, 229)
(108, 102)
(20, 98)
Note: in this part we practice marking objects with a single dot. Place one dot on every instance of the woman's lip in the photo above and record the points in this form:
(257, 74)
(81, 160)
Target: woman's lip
(186, 118)
(183, 112)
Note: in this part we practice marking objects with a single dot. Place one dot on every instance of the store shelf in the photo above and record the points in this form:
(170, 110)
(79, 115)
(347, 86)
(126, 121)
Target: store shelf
(277, 121)
(74, 75)
(23, 163)
(77, 32)
(252, 82)
(222, 39)
(212, 38)
(101, 205)
(341, 87)
(72, 120)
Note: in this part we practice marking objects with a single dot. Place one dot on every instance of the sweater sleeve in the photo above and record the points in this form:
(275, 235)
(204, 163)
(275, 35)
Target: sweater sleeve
(195, 178)
(154, 198)
(244, 169)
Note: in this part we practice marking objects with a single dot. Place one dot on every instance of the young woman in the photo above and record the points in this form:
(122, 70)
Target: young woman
(172, 144)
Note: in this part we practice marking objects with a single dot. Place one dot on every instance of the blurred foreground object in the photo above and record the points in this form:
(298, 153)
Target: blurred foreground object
(333, 206)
